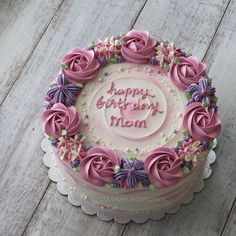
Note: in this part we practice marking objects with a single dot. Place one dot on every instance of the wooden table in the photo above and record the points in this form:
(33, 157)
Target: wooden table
(34, 35)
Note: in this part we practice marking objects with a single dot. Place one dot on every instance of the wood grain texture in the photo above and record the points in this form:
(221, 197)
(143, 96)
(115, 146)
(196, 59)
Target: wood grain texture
(23, 176)
(191, 25)
(230, 227)
(163, 12)
(56, 216)
(208, 213)
(22, 24)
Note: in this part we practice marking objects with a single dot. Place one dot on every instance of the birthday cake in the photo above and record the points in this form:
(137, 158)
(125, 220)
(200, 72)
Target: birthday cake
(131, 121)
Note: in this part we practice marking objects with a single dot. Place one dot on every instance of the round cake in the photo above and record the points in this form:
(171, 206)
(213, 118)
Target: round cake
(131, 121)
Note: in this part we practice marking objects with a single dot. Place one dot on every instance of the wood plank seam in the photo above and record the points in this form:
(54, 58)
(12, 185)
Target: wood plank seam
(31, 53)
(217, 28)
(123, 231)
(136, 18)
(36, 208)
(228, 217)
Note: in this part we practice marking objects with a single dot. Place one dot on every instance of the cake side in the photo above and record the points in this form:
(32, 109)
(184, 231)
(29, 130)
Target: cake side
(139, 200)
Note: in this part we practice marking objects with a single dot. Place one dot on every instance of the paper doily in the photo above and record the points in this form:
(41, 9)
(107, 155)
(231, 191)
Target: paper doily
(77, 199)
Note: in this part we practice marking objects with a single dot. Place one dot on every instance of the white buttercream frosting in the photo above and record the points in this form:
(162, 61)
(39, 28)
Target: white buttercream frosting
(151, 118)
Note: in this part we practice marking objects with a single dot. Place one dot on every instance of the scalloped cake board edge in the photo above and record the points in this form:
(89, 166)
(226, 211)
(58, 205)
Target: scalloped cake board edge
(77, 199)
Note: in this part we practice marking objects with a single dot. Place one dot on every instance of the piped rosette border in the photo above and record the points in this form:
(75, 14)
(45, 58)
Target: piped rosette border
(102, 166)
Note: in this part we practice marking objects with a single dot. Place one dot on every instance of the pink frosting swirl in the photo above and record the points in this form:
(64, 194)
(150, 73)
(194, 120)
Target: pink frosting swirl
(59, 118)
(99, 165)
(138, 47)
(186, 72)
(163, 167)
(82, 65)
(202, 123)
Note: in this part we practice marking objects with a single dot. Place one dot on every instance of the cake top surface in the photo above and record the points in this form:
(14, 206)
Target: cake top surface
(131, 110)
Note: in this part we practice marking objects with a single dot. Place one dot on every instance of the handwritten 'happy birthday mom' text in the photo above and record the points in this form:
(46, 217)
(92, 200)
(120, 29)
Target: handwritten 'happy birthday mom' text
(123, 104)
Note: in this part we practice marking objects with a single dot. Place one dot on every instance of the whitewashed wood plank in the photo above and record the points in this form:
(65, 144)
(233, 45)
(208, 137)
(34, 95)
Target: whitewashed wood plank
(22, 24)
(23, 178)
(56, 216)
(142, 230)
(154, 232)
(207, 214)
(230, 228)
(190, 24)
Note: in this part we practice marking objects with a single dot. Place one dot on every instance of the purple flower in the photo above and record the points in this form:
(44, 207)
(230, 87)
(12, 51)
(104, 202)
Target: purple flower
(63, 92)
(86, 146)
(119, 59)
(176, 149)
(117, 37)
(75, 163)
(206, 145)
(103, 61)
(48, 104)
(130, 174)
(188, 164)
(153, 61)
(201, 92)
(91, 47)
(55, 142)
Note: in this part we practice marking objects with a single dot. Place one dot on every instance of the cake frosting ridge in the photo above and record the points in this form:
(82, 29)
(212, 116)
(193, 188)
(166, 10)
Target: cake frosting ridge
(130, 113)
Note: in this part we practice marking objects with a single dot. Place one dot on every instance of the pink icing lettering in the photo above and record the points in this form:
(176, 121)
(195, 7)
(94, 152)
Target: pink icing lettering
(116, 121)
(129, 91)
(143, 106)
(111, 89)
(152, 106)
(146, 94)
(122, 104)
(128, 123)
(100, 103)
(140, 123)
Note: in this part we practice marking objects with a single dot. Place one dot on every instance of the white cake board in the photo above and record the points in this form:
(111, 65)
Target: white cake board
(77, 199)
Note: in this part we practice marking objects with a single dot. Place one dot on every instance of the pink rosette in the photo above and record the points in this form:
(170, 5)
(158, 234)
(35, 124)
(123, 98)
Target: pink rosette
(163, 166)
(60, 118)
(82, 65)
(98, 166)
(186, 72)
(201, 123)
(138, 47)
